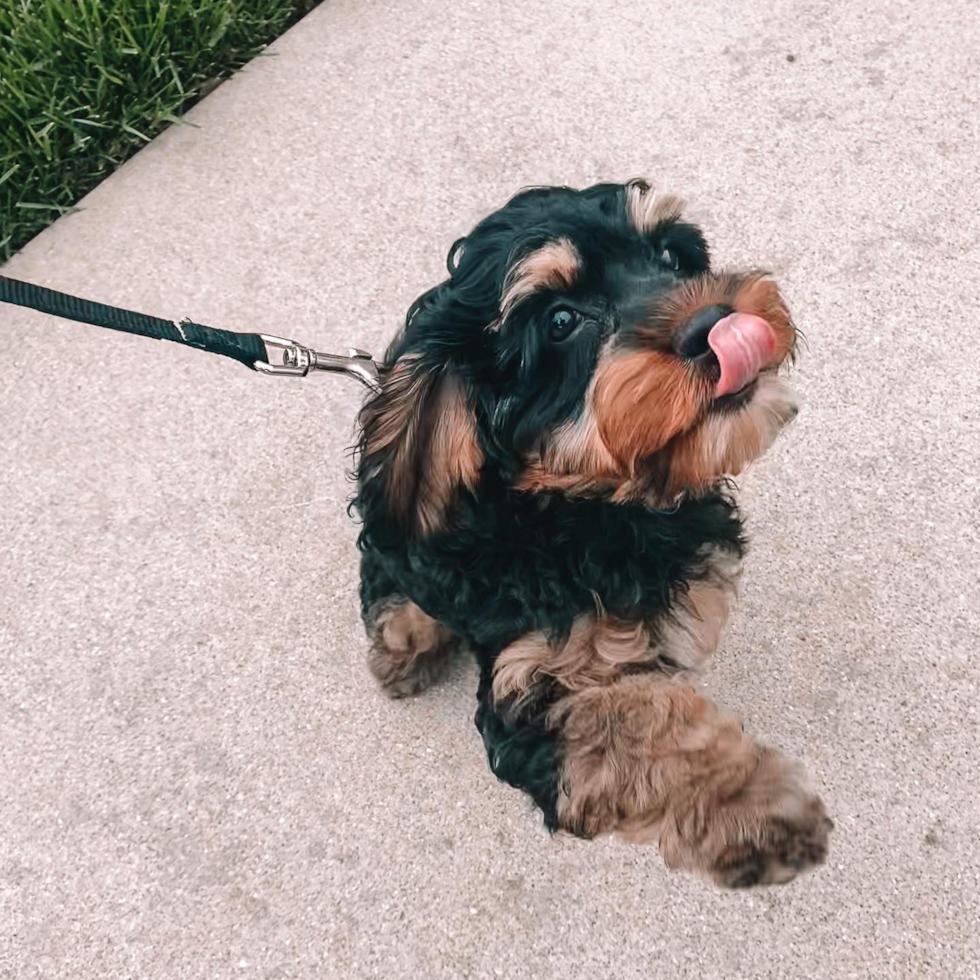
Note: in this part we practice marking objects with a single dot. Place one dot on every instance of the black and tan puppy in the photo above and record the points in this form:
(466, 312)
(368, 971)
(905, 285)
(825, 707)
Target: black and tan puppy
(542, 480)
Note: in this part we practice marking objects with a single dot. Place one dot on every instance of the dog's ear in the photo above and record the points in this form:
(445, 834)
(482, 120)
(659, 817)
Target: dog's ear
(419, 446)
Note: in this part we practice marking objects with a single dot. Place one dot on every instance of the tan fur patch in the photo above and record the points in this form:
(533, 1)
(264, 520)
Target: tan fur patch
(388, 415)
(409, 649)
(535, 479)
(624, 745)
(407, 631)
(575, 460)
(709, 608)
(600, 649)
(455, 457)
(724, 444)
(652, 760)
(553, 266)
(426, 428)
(595, 653)
(642, 400)
(693, 632)
(578, 446)
(646, 209)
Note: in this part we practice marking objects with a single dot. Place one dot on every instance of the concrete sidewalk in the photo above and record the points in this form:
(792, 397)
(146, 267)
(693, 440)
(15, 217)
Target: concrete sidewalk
(198, 776)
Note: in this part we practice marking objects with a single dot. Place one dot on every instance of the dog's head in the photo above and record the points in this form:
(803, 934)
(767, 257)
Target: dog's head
(581, 345)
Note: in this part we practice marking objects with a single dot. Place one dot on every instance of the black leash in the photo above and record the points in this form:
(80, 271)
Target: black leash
(261, 352)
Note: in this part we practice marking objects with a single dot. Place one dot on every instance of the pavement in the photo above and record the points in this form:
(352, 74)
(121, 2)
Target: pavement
(198, 778)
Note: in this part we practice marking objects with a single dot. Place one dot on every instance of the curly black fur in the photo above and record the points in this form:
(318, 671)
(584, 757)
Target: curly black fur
(510, 562)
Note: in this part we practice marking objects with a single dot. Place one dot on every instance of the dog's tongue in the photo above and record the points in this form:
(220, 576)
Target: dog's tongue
(743, 343)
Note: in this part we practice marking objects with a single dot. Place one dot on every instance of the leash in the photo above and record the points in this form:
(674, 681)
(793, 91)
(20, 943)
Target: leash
(261, 352)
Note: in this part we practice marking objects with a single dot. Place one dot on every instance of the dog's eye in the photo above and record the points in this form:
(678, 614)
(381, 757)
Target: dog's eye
(669, 259)
(563, 323)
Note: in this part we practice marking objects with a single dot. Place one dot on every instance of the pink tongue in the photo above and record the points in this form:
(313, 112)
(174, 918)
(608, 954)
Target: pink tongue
(743, 343)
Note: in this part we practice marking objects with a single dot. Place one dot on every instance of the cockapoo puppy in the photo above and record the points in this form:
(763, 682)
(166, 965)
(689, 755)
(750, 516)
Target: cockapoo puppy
(543, 479)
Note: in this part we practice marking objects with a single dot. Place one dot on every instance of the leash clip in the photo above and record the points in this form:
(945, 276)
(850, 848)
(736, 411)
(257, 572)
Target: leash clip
(290, 359)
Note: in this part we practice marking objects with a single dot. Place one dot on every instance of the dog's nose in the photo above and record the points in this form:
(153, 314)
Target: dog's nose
(691, 340)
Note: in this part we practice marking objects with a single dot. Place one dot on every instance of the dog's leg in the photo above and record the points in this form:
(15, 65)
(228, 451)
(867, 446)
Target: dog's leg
(650, 759)
(520, 749)
(692, 632)
(409, 650)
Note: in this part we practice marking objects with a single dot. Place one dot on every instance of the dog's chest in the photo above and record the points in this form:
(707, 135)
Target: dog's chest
(533, 567)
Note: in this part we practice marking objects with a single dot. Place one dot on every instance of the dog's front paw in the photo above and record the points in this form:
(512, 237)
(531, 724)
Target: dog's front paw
(409, 650)
(783, 847)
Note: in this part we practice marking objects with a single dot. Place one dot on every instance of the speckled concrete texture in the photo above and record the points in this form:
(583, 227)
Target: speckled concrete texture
(199, 779)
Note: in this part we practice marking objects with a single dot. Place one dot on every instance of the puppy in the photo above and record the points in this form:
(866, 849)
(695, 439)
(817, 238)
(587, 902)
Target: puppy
(543, 479)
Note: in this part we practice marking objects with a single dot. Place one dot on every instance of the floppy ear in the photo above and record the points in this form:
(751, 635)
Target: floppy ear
(419, 446)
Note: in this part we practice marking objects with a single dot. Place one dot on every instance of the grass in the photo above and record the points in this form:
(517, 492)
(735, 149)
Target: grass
(85, 83)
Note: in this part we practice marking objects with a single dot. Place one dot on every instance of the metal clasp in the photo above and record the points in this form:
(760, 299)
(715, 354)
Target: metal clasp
(290, 359)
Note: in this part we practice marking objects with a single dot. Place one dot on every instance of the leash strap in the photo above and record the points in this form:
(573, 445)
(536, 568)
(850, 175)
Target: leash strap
(246, 348)
(261, 352)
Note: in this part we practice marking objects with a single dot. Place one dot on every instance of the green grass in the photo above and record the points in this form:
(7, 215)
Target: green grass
(85, 83)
